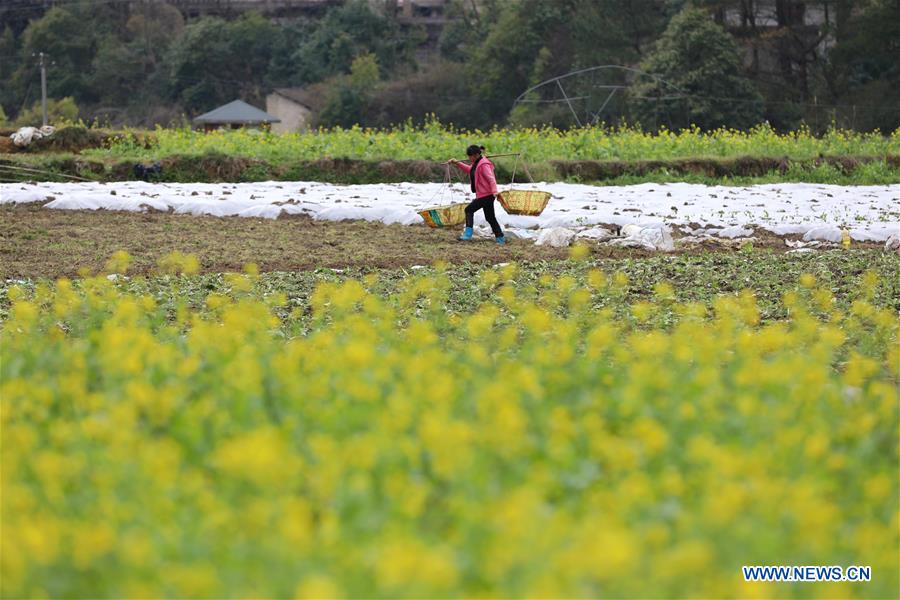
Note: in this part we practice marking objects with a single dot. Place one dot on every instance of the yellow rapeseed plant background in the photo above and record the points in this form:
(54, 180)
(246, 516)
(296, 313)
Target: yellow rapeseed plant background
(401, 449)
(433, 140)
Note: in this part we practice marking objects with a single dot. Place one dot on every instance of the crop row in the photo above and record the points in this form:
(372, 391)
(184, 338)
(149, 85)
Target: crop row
(434, 141)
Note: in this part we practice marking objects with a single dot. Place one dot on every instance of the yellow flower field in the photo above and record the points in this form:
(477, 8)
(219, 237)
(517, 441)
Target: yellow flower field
(434, 141)
(536, 447)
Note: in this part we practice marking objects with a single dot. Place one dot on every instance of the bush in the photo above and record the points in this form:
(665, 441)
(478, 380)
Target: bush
(58, 112)
(702, 81)
(439, 90)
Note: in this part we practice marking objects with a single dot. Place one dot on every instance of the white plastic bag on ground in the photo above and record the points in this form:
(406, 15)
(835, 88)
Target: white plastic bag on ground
(558, 237)
(482, 231)
(524, 234)
(651, 238)
(735, 231)
(631, 230)
(892, 243)
(630, 242)
(660, 237)
(801, 245)
(825, 233)
(713, 241)
(25, 135)
(600, 234)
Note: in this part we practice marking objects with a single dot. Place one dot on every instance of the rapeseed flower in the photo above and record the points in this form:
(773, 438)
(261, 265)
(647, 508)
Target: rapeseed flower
(541, 445)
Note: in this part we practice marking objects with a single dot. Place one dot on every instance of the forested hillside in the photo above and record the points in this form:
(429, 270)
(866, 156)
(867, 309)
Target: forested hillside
(713, 63)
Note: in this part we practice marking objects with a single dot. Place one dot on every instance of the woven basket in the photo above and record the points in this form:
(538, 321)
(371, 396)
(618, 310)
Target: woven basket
(524, 202)
(444, 216)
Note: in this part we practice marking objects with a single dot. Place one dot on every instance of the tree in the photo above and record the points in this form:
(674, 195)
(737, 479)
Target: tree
(697, 61)
(127, 71)
(216, 61)
(153, 27)
(533, 40)
(346, 32)
(60, 34)
(869, 74)
(343, 107)
(441, 90)
(282, 71)
(118, 71)
(465, 29)
(502, 66)
(364, 71)
(802, 55)
(9, 50)
(616, 31)
(350, 94)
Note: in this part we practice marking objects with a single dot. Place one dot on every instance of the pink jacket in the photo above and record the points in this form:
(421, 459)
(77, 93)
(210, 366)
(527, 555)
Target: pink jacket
(485, 181)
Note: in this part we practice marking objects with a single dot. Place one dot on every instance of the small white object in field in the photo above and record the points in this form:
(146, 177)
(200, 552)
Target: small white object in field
(600, 234)
(735, 231)
(825, 233)
(482, 231)
(25, 135)
(696, 240)
(892, 243)
(661, 237)
(630, 242)
(692, 240)
(651, 238)
(813, 244)
(800, 250)
(558, 237)
(631, 230)
(525, 234)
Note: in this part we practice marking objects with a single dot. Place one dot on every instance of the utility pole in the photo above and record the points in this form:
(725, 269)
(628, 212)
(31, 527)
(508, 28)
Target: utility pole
(44, 88)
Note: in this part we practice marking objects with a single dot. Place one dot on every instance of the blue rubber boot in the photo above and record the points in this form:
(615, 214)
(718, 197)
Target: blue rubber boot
(467, 235)
(501, 240)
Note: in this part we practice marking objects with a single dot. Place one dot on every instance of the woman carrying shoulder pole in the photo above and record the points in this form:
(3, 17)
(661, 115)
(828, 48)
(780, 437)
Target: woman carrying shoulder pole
(484, 186)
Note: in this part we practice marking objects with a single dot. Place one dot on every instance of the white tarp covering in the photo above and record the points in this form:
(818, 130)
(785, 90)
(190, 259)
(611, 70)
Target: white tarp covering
(872, 213)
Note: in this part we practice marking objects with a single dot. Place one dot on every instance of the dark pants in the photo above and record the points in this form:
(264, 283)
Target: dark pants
(486, 203)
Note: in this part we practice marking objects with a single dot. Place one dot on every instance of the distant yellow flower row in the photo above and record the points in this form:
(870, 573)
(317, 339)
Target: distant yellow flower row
(434, 141)
(535, 447)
